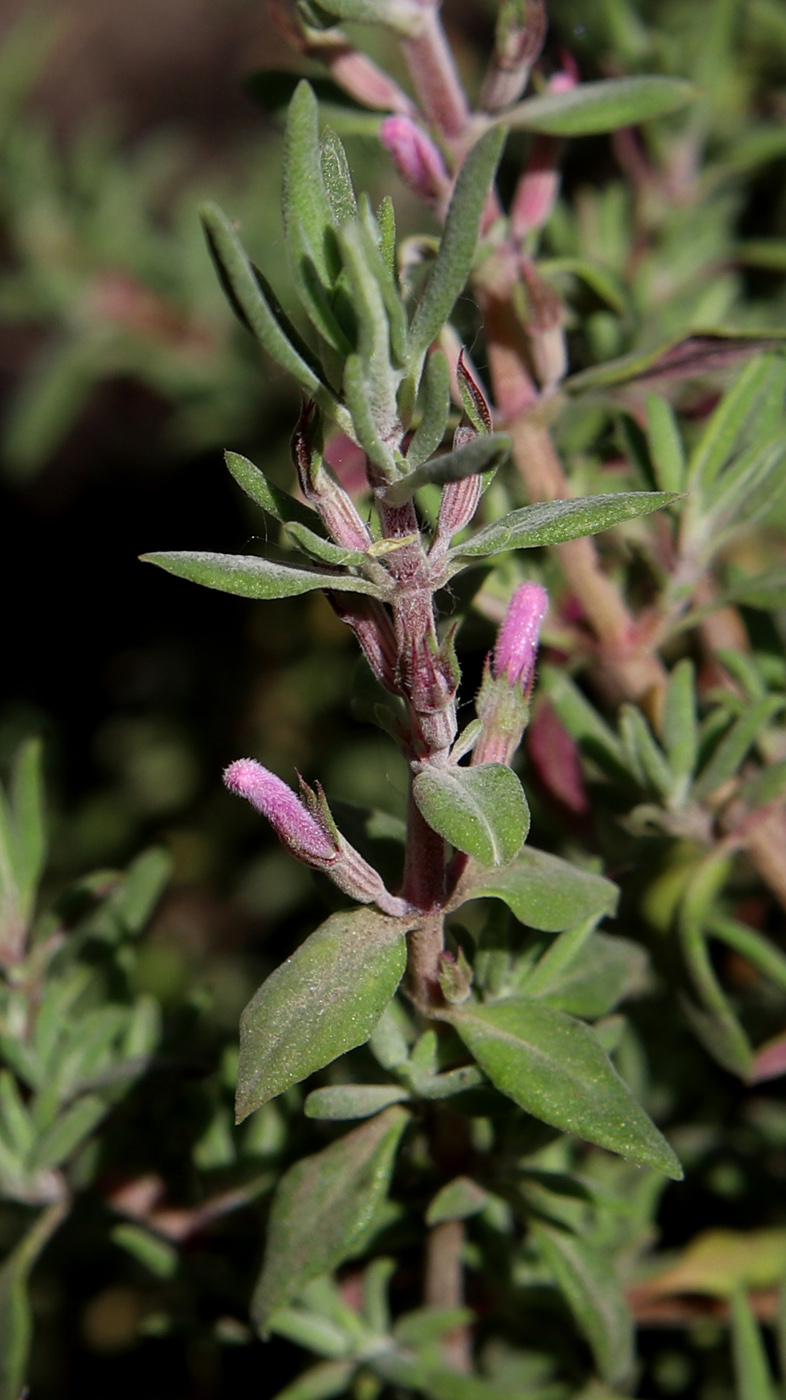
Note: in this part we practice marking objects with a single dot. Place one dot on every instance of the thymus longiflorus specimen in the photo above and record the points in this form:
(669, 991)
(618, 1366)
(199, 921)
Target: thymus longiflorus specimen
(470, 1011)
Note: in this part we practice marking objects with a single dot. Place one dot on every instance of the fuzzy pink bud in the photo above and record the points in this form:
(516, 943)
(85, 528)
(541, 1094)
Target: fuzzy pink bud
(309, 836)
(291, 821)
(517, 640)
(416, 158)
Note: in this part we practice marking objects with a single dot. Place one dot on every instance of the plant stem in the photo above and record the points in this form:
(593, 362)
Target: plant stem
(444, 1285)
(433, 72)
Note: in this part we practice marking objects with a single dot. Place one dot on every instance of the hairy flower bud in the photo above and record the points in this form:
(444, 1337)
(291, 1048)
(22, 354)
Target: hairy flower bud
(503, 702)
(417, 159)
(517, 640)
(521, 31)
(307, 829)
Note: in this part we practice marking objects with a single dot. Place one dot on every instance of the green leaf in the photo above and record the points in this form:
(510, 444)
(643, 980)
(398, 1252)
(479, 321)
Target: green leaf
(337, 177)
(323, 1207)
(322, 1382)
(678, 358)
(324, 1000)
(481, 810)
(645, 756)
(592, 108)
(322, 550)
(308, 1329)
(759, 385)
(243, 287)
(483, 453)
(765, 591)
(309, 221)
(553, 1066)
(379, 12)
(604, 971)
(364, 427)
(680, 726)
(553, 522)
(352, 1100)
(457, 245)
(544, 892)
(665, 444)
(68, 1131)
(582, 721)
(751, 1367)
(589, 1282)
(458, 1200)
(15, 1318)
(435, 394)
(418, 1328)
(157, 1254)
(602, 282)
(733, 747)
(714, 1022)
(27, 806)
(275, 502)
(247, 576)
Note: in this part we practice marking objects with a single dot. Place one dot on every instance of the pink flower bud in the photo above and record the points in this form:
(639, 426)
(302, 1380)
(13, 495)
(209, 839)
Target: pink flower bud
(416, 158)
(292, 823)
(517, 640)
(310, 833)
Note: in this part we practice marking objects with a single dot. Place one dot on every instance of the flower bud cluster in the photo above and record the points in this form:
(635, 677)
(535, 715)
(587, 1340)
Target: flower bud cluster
(306, 828)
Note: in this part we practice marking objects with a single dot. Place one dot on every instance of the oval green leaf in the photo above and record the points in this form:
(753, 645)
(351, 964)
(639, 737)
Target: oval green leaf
(323, 1208)
(543, 891)
(554, 1067)
(324, 1000)
(481, 811)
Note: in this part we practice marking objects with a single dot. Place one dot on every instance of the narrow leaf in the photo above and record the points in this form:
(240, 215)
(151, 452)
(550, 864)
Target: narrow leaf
(483, 453)
(16, 1326)
(737, 410)
(250, 577)
(733, 747)
(553, 522)
(543, 891)
(553, 1066)
(665, 444)
(591, 1287)
(458, 1200)
(322, 1382)
(247, 295)
(27, 806)
(323, 1207)
(680, 726)
(682, 357)
(275, 502)
(482, 810)
(342, 1101)
(591, 108)
(324, 1000)
(751, 1367)
(435, 394)
(337, 177)
(459, 240)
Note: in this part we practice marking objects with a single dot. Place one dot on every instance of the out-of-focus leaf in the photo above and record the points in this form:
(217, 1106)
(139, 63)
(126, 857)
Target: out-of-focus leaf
(751, 1367)
(590, 1284)
(591, 108)
(553, 1066)
(733, 747)
(543, 891)
(272, 91)
(718, 1262)
(583, 723)
(15, 1317)
(157, 1254)
(481, 810)
(665, 444)
(605, 970)
(553, 522)
(458, 1200)
(682, 357)
(68, 1131)
(598, 278)
(250, 577)
(324, 1000)
(341, 1101)
(323, 1207)
(321, 1382)
(760, 383)
(680, 728)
